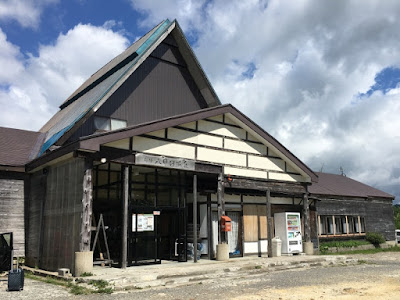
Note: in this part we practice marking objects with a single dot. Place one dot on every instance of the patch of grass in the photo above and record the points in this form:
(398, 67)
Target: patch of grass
(369, 251)
(257, 267)
(323, 246)
(79, 290)
(47, 279)
(101, 286)
(86, 274)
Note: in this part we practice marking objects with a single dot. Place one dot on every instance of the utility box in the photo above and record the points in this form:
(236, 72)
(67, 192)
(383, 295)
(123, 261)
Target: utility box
(288, 228)
(226, 224)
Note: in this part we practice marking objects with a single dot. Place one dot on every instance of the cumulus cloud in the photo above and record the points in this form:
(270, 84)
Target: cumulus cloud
(309, 62)
(26, 12)
(34, 87)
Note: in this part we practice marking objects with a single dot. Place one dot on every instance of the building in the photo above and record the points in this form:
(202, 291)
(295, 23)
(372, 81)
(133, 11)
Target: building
(146, 145)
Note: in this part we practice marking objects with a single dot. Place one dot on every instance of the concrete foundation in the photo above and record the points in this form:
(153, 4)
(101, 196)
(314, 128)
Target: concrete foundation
(83, 263)
(308, 248)
(222, 252)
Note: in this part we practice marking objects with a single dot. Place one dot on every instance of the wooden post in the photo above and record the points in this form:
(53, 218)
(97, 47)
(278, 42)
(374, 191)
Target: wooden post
(269, 223)
(86, 216)
(306, 214)
(124, 254)
(221, 204)
(194, 218)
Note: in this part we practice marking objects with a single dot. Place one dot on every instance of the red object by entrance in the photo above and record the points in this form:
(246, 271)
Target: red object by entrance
(226, 224)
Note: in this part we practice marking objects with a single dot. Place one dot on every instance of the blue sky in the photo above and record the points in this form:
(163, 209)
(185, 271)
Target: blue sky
(320, 76)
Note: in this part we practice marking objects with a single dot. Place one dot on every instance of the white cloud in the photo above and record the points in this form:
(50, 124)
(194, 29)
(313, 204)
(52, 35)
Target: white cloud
(26, 12)
(36, 86)
(312, 60)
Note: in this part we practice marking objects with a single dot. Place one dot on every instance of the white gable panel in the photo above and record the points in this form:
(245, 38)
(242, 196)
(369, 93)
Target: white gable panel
(194, 137)
(266, 163)
(245, 146)
(245, 172)
(121, 144)
(222, 129)
(160, 147)
(221, 157)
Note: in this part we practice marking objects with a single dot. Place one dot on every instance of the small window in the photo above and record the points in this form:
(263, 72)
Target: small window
(102, 123)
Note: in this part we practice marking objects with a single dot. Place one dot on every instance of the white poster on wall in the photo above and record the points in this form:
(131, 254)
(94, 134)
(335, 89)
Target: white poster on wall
(145, 222)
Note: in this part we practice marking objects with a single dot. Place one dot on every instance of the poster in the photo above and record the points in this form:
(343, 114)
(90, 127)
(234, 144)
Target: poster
(145, 222)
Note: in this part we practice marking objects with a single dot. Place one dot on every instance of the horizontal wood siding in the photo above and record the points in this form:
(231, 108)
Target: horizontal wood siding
(62, 215)
(380, 218)
(12, 212)
(378, 214)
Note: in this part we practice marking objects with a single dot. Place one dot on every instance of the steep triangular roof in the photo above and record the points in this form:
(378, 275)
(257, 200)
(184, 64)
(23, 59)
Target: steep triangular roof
(92, 94)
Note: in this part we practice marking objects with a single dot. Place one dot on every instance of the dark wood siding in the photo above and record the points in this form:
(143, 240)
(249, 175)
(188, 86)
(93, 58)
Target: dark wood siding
(378, 214)
(12, 211)
(161, 87)
(34, 213)
(380, 218)
(55, 216)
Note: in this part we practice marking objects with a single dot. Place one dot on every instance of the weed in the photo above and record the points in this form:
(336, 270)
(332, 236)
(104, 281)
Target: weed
(368, 251)
(86, 274)
(78, 290)
(257, 267)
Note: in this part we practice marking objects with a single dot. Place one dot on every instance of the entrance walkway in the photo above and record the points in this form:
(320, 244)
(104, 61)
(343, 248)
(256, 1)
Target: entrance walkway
(173, 273)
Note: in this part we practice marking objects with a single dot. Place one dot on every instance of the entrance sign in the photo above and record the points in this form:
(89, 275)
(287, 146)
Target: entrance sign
(165, 162)
(145, 222)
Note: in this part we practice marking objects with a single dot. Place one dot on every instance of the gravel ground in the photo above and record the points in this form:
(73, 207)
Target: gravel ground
(376, 277)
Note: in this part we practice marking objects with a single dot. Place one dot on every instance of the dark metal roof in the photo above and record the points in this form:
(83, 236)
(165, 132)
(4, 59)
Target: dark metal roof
(115, 63)
(18, 147)
(338, 185)
(94, 142)
(98, 88)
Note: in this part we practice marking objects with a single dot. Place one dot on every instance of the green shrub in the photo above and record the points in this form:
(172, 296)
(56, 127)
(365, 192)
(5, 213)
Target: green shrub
(375, 238)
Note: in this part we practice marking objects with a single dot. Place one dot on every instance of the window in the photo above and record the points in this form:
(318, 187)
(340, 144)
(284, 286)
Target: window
(341, 225)
(102, 123)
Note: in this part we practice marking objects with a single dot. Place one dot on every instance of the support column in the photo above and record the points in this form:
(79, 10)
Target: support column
(308, 245)
(84, 257)
(222, 247)
(125, 199)
(269, 222)
(221, 204)
(306, 214)
(195, 218)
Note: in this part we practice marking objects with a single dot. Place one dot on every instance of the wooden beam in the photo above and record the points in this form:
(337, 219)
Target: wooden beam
(292, 188)
(124, 252)
(195, 218)
(87, 201)
(269, 223)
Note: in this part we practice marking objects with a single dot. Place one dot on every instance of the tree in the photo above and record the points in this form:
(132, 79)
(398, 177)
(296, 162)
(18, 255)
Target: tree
(396, 210)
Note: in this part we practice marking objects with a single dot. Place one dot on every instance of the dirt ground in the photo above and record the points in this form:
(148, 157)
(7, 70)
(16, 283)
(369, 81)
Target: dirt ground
(374, 281)
(386, 288)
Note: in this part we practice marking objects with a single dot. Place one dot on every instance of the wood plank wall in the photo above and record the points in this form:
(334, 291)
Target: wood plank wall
(378, 213)
(12, 212)
(60, 218)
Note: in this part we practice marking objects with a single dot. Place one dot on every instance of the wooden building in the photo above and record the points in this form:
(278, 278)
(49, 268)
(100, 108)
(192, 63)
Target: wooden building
(146, 144)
